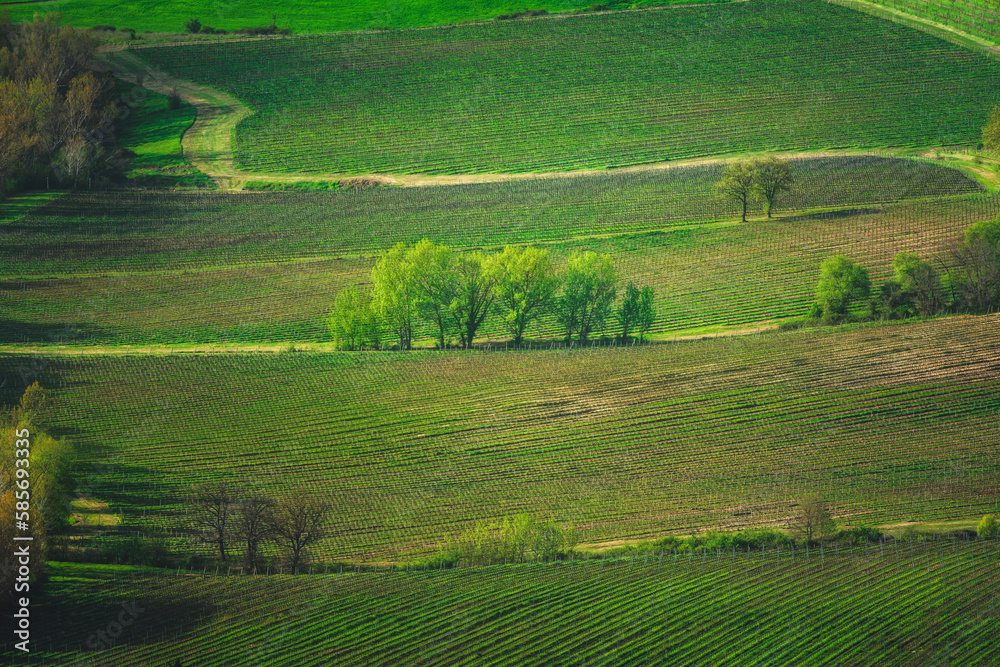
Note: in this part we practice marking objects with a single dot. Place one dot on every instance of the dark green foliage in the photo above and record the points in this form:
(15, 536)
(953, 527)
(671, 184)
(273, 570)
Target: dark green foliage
(841, 283)
(192, 25)
(988, 527)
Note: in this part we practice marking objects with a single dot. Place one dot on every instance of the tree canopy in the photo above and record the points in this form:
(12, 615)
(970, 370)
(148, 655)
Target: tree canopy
(841, 282)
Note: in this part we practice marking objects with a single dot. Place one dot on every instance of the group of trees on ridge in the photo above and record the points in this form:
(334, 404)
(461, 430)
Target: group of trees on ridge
(41, 498)
(917, 287)
(454, 292)
(57, 116)
(757, 179)
(232, 517)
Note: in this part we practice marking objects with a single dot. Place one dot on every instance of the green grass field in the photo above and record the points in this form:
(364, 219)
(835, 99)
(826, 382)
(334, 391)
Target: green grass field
(894, 604)
(147, 266)
(891, 423)
(594, 91)
(301, 17)
(976, 17)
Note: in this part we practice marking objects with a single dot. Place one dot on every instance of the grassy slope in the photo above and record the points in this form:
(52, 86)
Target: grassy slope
(155, 266)
(902, 604)
(975, 17)
(587, 91)
(314, 16)
(153, 132)
(891, 423)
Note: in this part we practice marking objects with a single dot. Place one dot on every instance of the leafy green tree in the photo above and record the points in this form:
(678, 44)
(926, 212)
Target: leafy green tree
(525, 289)
(738, 184)
(394, 293)
(991, 131)
(978, 259)
(476, 277)
(813, 520)
(771, 176)
(636, 311)
(988, 526)
(435, 277)
(841, 282)
(354, 323)
(589, 286)
(920, 280)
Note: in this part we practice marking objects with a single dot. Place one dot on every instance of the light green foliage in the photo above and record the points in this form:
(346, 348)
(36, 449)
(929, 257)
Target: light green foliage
(435, 273)
(841, 283)
(771, 177)
(636, 312)
(525, 288)
(991, 131)
(589, 285)
(395, 294)
(511, 540)
(989, 526)
(475, 277)
(738, 184)
(354, 322)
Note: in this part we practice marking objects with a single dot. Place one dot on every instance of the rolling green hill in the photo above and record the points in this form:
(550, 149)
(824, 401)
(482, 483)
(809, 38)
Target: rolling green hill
(594, 91)
(891, 423)
(975, 17)
(149, 266)
(894, 604)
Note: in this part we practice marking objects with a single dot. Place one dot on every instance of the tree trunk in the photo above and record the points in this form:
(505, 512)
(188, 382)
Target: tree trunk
(744, 209)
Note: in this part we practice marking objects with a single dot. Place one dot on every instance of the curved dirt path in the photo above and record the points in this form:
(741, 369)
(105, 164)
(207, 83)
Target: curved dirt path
(207, 144)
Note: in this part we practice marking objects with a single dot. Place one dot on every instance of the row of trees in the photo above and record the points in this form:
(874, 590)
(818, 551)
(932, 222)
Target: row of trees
(971, 284)
(231, 517)
(56, 114)
(44, 503)
(454, 292)
(758, 179)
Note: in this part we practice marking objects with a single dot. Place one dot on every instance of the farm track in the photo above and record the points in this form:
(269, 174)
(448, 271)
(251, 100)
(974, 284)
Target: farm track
(207, 144)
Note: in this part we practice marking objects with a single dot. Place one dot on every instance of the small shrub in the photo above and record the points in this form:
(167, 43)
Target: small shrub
(193, 25)
(173, 100)
(988, 527)
(207, 30)
(859, 535)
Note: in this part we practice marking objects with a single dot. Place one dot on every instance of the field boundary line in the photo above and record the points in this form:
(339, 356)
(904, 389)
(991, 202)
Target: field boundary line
(208, 143)
(941, 30)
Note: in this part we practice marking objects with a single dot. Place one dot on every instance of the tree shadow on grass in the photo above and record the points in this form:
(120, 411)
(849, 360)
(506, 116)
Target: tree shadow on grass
(836, 215)
(18, 331)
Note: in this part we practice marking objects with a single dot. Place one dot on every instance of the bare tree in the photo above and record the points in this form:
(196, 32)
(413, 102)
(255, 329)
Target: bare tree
(737, 184)
(252, 525)
(298, 521)
(214, 507)
(813, 519)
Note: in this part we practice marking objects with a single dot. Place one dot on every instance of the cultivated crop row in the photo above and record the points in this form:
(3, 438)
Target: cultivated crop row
(934, 600)
(265, 268)
(890, 423)
(594, 91)
(976, 17)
